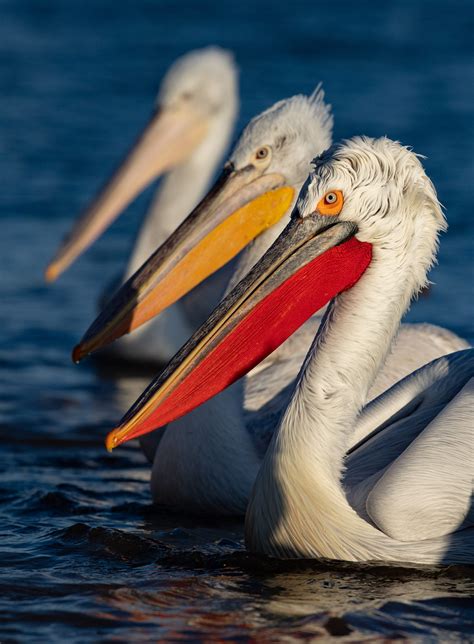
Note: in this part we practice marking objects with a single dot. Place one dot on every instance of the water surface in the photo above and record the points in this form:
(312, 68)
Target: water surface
(83, 554)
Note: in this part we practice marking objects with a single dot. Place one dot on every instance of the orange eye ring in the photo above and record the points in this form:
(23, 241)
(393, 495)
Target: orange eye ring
(331, 204)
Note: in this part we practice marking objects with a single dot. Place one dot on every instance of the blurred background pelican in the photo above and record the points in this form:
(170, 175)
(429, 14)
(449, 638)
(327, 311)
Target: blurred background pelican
(186, 138)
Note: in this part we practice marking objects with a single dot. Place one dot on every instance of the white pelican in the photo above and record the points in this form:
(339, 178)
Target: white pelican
(218, 480)
(364, 232)
(186, 137)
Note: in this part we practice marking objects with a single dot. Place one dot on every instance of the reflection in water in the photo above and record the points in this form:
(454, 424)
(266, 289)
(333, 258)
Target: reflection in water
(299, 595)
(222, 599)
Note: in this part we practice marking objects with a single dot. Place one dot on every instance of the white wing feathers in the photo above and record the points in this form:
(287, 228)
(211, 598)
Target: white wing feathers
(432, 383)
(426, 492)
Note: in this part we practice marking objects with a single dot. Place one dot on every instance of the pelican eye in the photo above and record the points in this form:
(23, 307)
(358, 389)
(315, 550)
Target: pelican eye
(262, 153)
(331, 204)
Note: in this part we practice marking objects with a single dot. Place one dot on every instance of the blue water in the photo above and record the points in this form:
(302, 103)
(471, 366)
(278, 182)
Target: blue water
(83, 554)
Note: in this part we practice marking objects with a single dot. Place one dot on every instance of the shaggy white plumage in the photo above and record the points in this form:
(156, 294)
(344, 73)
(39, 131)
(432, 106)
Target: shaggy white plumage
(404, 493)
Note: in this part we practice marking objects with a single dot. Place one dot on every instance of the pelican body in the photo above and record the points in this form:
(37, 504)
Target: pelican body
(186, 138)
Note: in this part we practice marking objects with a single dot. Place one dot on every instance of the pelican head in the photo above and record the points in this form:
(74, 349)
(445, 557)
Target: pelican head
(256, 189)
(205, 80)
(381, 187)
(364, 200)
(196, 102)
(282, 140)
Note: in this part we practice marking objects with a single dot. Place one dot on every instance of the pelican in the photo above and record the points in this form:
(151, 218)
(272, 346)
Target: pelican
(363, 235)
(237, 425)
(186, 137)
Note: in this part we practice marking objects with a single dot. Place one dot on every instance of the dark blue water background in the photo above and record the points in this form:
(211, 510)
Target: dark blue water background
(84, 555)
